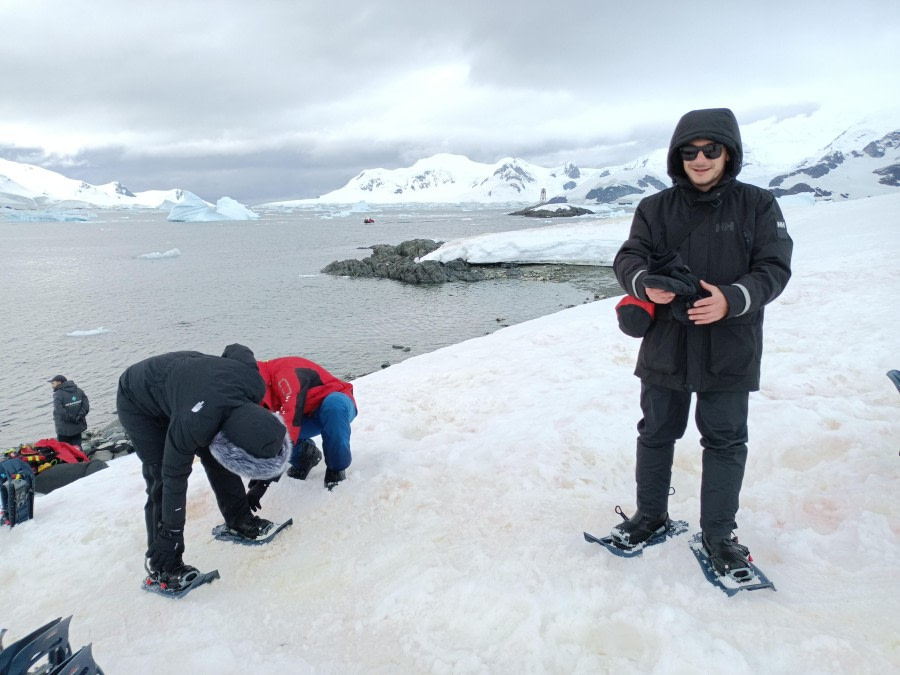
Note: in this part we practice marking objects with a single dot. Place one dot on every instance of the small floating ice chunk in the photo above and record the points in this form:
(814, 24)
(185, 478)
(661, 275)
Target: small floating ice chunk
(156, 255)
(84, 333)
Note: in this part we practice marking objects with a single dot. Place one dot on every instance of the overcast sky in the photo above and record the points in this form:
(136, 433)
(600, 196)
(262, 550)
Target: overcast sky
(284, 99)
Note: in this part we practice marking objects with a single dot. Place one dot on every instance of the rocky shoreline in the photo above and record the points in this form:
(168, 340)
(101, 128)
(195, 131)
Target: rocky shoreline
(399, 263)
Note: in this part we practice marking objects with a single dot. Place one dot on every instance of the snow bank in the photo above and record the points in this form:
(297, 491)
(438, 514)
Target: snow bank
(455, 544)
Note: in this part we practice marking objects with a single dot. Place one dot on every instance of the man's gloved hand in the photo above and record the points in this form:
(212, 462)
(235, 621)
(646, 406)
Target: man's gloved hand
(165, 552)
(254, 494)
(667, 272)
(677, 282)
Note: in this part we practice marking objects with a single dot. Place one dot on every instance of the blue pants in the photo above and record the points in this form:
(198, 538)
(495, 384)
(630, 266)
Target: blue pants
(332, 422)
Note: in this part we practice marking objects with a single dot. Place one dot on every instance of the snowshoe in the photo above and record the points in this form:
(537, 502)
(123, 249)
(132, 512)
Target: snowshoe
(727, 556)
(672, 529)
(262, 536)
(177, 583)
(637, 529)
(728, 565)
(894, 376)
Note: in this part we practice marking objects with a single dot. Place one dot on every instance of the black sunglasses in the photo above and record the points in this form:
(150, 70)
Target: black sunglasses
(710, 151)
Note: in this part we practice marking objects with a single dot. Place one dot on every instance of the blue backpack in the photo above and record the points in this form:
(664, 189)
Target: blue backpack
(16, 492)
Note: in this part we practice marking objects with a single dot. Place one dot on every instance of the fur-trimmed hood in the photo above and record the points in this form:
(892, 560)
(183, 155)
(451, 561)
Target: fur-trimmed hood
(238, 460)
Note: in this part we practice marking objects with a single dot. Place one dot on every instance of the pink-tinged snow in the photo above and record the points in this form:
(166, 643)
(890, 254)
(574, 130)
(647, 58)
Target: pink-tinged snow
(455, 545)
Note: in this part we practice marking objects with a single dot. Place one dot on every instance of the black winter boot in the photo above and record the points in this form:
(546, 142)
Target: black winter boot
(639, 528)
(310, 455)
(728, 558)
(178, 578)
(332, 478)
(249, 525)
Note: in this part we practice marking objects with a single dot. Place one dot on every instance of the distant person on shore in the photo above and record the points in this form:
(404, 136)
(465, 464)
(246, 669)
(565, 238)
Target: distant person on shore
(184, 404)
(312, 402)
(70, 410)
(710, 252)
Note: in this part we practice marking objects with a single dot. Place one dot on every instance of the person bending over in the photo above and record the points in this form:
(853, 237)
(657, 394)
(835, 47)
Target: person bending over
(313, 402)
(184, 404)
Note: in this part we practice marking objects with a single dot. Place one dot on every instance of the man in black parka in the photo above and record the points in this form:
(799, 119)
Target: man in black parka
(70, 409)
(710, 252)
(184, 404)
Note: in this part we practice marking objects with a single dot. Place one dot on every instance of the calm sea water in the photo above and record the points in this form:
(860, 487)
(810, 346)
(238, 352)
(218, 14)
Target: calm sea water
(257, 283)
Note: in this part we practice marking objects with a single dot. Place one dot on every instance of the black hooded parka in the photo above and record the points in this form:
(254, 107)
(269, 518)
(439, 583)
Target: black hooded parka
(734, 237)
(172, 406)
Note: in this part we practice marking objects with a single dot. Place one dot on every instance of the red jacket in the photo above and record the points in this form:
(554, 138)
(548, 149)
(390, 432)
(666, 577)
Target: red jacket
(67, 453)
(296, 387)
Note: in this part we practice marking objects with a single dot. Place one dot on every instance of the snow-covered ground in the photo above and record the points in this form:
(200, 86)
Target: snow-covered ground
(594, 242)
(455, 545)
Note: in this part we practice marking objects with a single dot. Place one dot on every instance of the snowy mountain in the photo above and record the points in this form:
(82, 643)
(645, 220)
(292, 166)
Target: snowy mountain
(823, 154)
(454, 178)
(28, 186)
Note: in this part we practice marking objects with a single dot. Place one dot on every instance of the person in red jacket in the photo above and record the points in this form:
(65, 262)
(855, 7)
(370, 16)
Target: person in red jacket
(312, 402)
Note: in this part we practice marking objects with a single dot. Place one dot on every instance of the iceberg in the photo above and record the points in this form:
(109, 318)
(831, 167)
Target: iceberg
(192, 209)
(22, 216)
(156, 255)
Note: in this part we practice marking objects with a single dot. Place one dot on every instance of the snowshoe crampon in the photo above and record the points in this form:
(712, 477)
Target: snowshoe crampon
(177, 586)
(224, 533)
(672, 528)
(743, 579)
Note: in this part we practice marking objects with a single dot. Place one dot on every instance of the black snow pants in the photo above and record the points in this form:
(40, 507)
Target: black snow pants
(721, 418)
(148, 434)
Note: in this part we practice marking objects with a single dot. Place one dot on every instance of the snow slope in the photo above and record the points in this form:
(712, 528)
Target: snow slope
(455, 544)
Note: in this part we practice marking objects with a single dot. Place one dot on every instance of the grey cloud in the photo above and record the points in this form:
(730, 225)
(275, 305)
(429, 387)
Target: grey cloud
(278, 100)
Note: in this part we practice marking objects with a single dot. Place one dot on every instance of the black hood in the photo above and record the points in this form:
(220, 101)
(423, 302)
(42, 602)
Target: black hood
(242, 354)
(716, 124)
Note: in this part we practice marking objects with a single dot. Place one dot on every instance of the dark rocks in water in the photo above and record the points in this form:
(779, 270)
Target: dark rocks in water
(557, 210)
(399, 263)
(107, 443)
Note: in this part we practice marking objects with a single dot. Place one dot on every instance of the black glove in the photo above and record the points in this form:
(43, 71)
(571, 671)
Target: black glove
(254, 494)
(664, 263)
(165, 552)
(679, 283)
(667, 272)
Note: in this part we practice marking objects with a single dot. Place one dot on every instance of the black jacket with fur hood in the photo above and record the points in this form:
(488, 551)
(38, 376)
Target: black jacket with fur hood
(190, 394)
(733, 236)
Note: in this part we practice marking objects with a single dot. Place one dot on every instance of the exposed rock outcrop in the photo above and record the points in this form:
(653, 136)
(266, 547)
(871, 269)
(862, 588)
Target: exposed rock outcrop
(399, 263)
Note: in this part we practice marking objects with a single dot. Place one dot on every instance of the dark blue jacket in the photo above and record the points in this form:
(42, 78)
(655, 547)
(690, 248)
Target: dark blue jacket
(70, 408)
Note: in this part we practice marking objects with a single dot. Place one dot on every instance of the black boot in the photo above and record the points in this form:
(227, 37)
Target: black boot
(250, 526)
(174, 578)
(309, 456)
(178, 578)
(332, 478)
(639, 528)
(728, 558)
